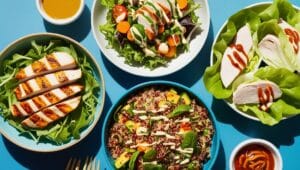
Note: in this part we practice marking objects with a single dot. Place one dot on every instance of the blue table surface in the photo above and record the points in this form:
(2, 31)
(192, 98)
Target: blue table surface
(20, 17)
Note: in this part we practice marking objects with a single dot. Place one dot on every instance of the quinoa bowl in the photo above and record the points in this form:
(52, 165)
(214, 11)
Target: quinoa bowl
(159, 121)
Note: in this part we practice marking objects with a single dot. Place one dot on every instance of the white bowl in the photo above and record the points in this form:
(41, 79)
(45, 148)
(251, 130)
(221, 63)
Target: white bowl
(99, 18)
(55, 21)
(277, 157)
(212, 58)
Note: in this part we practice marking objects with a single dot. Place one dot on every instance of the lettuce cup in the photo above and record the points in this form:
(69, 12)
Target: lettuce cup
(255, 62)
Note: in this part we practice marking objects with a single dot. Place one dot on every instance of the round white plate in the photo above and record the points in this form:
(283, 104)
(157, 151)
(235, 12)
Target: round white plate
(196, 44)
(259, 5)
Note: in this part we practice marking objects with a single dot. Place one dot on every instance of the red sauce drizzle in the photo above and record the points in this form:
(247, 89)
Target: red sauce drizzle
(294, 38)
(236, 65)
(239, 59)
(265, 97)
(240, 64)
(254, 157)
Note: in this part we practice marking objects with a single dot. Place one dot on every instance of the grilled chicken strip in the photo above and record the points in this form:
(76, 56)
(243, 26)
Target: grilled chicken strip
(47, 82)
(50, 63)
(235, 58)
(293, 35)
(53, 113)
(272, 53)
(257, 92)
(37, 103)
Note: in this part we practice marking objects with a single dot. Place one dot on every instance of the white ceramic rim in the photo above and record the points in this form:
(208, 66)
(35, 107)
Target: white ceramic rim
(59, 21)
(278, 164)
(133, 72)
(89, 129)
(212, 58)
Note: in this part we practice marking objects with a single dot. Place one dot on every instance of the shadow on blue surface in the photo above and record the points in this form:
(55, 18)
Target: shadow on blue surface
(280, 134)
(58, 160)
(187, 76)
(220, 162)
(77, 30)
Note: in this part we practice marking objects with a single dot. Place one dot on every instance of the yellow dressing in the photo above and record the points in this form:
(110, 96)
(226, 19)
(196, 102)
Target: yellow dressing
(60, 9)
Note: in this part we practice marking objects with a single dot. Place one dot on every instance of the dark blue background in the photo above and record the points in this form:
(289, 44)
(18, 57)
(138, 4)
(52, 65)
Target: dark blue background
(20, 17)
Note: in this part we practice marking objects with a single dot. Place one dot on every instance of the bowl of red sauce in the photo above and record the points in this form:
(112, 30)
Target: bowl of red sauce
(254, 154)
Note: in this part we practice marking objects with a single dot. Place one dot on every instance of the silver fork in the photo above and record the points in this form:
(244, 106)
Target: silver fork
(89, 164)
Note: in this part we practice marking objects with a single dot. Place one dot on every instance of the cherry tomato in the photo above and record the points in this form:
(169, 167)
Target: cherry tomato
(118, 10)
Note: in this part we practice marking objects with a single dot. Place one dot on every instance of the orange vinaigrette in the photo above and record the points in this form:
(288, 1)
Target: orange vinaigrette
(61, 9)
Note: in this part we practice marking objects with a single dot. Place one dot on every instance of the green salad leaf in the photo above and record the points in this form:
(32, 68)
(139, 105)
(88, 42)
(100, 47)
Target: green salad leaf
(143, 51)
(212, 78)
(108, 3)
(63, 130)
(262, 21)
(287, 105)
(180, 109)
(288, 82)
(133, 159)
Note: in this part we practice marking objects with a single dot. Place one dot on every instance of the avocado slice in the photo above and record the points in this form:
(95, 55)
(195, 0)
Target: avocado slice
(172, 96)
(186, 98)
(122, 160)
(130, 125)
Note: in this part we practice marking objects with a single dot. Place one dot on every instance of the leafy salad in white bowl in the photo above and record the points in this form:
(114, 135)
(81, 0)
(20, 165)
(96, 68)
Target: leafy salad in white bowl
(256, 62)
(150, 37)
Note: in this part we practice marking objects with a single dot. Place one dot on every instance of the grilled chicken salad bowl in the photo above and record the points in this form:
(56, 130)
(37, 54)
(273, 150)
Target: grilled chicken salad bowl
(160, 125)
(255, 62)
(150, 38)
(52, 92)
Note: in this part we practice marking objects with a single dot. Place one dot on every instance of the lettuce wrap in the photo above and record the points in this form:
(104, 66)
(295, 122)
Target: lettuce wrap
(262, 20)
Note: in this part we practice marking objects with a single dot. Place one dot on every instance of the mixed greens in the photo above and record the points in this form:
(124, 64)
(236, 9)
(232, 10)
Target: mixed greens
(149, 32)
(67, 128)
(280, 66)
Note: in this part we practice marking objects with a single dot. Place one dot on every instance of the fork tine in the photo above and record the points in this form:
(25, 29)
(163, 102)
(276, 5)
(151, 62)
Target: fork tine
(98, 165)
(69, 164)
(73, 164)
(88, 163)
(94, 164)
(85, 163)
(77, 166)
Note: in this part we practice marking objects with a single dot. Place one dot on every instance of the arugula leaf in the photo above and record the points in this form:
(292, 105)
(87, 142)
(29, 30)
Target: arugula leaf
(108, 3)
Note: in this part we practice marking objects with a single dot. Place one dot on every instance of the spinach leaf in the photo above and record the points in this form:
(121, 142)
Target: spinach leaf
(133, 160)
(180, 109)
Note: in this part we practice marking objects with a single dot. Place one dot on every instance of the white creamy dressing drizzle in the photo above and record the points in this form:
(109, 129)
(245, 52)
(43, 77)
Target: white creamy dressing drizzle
(128, 142)
(185, 150)
(162, 133)
(184, 120)
(143, 117)
(139, 111)
(153, 162)
(144, 144)
(142, 131)
(185, 161)
(121, 17)
(160, 118)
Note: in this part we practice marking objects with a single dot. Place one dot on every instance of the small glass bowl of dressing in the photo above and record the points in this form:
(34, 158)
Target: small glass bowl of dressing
(60, 12)
(255, 154)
